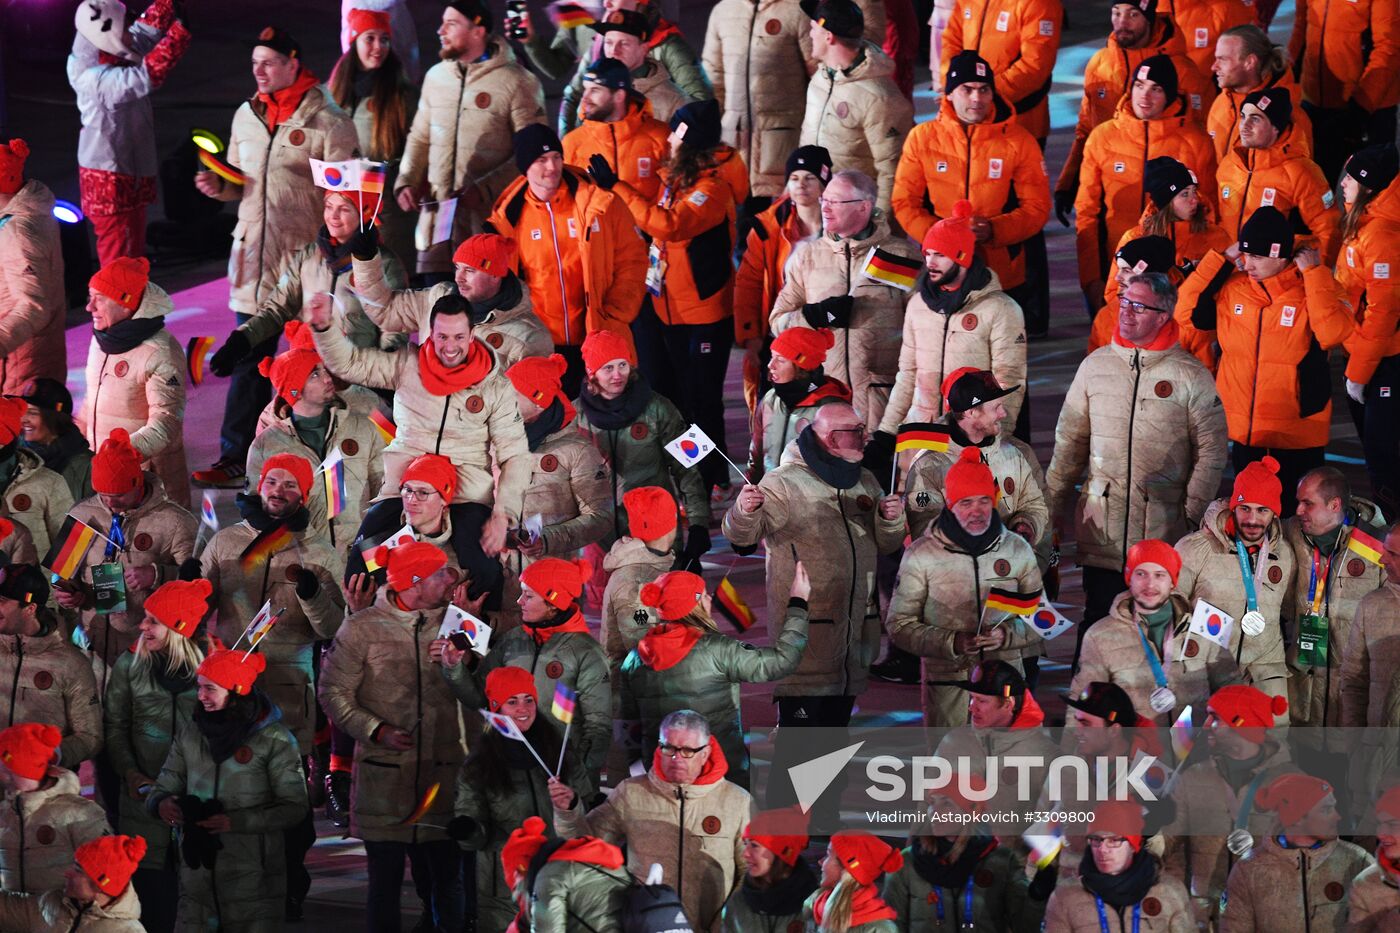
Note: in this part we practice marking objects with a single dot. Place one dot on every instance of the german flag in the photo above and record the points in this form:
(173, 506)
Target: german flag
(569, 15)
(1017, 604)
(196, 355)
(221, 168)
(264, 546)
(891, 269)
(424, 805)
(71, 544)
(732, 606)
(383, 425)
(1363, 545)
(924, 435)
(372, 177)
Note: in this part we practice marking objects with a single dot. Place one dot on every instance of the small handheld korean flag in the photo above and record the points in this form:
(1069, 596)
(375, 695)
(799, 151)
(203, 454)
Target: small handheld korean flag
(1212, 624)
(507, 727)
(691, 447)
(336, 176)
(1046, 621)
(457, 619)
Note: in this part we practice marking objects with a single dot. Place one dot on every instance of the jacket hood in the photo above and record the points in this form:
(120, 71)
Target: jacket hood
(1176, 112)
(1384, 206)
(1272, 850)
(875, 64)
(1165, 40)
(731, 170)
(1002, 113)
(65, 783)
(628, 551)
(879, 235)
(33, 199)
(1031, 714)
(154, 303)
(1285, 149)
(498, 55)
(1167, 339)
(1218, 513)
(155, 498)
(1122, 608)
(715, 768)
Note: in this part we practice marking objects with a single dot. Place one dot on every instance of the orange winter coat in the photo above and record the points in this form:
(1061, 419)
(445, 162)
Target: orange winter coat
(692, 233)
(1202, 21)
(1109, 75)
(1223, 121)
(600, 282)
(1273, 335)
(761, 273)
(1111, 197)
(1284, 176)
(1019, 39)
(635, 146)
(1347, 51)
(1364, 273)
(996, 165)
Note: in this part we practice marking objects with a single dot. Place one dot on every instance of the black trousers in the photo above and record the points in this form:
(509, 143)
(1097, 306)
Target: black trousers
(1338, 132)
(1292, 464)
(1378, 424)
(249, 391)
(795, 745)
(1101, 586)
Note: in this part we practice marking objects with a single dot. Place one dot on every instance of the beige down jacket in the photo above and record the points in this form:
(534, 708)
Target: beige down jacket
(940, 592)
(1145, 432)
(40, 829)
(51, 912)
(157, 533)
(1013, 465)
(1166, 908)
(514, 332)
(474, 427)
(378, 673)
(1276, 888)
(32, 298)
(1113, 653)
(756, 52)
(279, 207)
(861, 116)
(1372, 656)
(987, 332)
(52, 682)
(461, 138)
(18, 545)
(866, 356)
(239, 594)
(630, 565)
(143, 391)
(38, 499)
(1374, 906)
(837, 534)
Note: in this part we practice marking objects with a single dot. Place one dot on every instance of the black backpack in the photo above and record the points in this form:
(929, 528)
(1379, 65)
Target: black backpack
(654, 908)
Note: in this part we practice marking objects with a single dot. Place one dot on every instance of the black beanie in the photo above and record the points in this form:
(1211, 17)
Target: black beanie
(814, 159)
(1148, 254)
(701, 121)
(1267, 232)
(841, 18)
(1375, 166)
(968, 67)
(25, 584)
(1275, 103)
(533, 141)
(1164, 178)
(475, 11)
(1147, 8)
(1159, 69)
(610, 73)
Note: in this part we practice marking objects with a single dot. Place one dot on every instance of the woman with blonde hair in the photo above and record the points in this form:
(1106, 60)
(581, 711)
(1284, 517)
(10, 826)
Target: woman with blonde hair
(848, 900)
(685, 663)
(150, 697)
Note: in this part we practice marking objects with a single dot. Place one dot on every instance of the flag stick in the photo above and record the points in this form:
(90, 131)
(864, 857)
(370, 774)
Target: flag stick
(743, 476)
(271, 621)
(360, 204)
(894, 471)
(537, 757)
(560, 768)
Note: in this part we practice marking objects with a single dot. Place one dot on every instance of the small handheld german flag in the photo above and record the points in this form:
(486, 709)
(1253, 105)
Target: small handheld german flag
(424, 805)
(922, 435)
(266, 544)
(1364, 546)
(891, 269)
(70, 545)
(383, 425)
(566, 15)
(196, 356)
(221, 168)
(1012, 602)
(732, 606)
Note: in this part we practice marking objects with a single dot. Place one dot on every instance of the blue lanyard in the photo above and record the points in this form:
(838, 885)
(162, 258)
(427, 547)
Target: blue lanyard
(117, 540)
(1103, 917)
(1158, 674)
(1326, 574)
(967, 904)
(1251, 599)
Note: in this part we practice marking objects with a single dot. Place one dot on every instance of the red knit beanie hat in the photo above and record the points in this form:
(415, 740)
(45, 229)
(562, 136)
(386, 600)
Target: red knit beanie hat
(11, 411)
(954, 792)
(1153, 551)
(233, 670)
(509, 681)
(782, 832)
(558, 582)
(435, 470)
(289, 371)
(651, 512)
(12, 156)
(410, 564)
(487, 252)
(364, 20)
(6, 528)
(865, 856)
(110, 861)
(180, 605)
(1121, 818)
(1247, 709)
(673, 594)
(299, 335)
(520, 849)
(116, 467)
(1258, 484)
(968, 477)
(123, 280)
(804, 346)
(360, 204)
(953, 236)
(28, 749)
(295, 464)
(603, 346)
(538, 379)
(1292, 796)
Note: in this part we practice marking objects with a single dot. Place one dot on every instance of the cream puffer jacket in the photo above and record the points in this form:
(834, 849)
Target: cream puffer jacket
(38, 499)
(1166, 908)
(1372, 656)
(1284, 886)
(40, 829)
(630, 565)
(52, 682)
(1014, 467)
(32, 297)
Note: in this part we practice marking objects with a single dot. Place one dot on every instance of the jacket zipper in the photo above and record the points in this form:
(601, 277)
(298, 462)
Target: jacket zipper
(1146, 148)
(19, 812)
(14, 688)
(1136, 365)
(967, 162)
(851, 601)
(680, 846)
(442, 425)
(559, 265)
(262, 238)
(1244, 200)
(748, 94)
(457, 122)
(846, 331)
(1254, 383)
(97, 394)
(1307, 919)
(330, 432)
(418, 694)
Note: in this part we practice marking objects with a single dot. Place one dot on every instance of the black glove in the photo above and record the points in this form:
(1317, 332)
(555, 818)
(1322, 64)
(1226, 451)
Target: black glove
(461, 827)
(1043, 884)
(879, 456)
(364, 244)
(1064, 203)
(308, 584)
(830, 312)
(234, 350)
(602, 172)
(697, 542)
(191, 569)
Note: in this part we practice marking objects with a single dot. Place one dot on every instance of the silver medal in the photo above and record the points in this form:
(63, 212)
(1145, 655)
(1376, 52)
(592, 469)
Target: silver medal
(1239, 842)
(1253, 623)
(1162, 700)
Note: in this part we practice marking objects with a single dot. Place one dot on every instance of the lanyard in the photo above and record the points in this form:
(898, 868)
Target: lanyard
(1251, 599)
(1247, 804)
(1103, 917)
(1317, 595)
(1158, 674)
(117, 542)
(967, 904)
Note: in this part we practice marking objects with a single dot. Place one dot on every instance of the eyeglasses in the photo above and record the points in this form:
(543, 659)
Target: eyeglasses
(1107, 842)
(416, 495)
(671, 751)
(828, 202)
(860, 430)
(1137, 307)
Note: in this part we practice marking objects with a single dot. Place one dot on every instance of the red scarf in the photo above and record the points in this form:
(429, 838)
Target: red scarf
(574, 623)
(663, 31)
(1392, 870)
(589, 850)
(1031, 714)
(667, 645)
(282, 104)
(1166, 337)
(440, 379)
(716, 766)
(866, 906)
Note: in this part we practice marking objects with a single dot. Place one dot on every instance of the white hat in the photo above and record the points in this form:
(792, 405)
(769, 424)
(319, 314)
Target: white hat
(103, 23)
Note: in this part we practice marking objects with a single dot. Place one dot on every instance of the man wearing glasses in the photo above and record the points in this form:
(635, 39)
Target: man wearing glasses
(1143, 430)
(682, 815)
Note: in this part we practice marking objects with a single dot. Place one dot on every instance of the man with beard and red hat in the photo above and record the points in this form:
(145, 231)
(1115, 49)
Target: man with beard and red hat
(32, 295)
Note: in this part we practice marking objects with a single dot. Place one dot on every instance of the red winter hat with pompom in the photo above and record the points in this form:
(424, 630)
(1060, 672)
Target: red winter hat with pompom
(538, 379)
(804, 346)
(866, 857)
(651, 512)
(1292, 797)
(11, 411)
(969, 477)
(603, 346)
(298, 466)
(235, 671)
(1258, 484)
(28, 748)
(6, 528)
(1153, 551)
(521, 847)
(1247, 709)
(435, 470)
(12, 156)
(1121, 818)
(410, 564)
(116, 467)
(953, 236)
(123, 280)
(558, 582)
(299, 335)
(365, 20)
(673, 595)
(289, 371)
(509, 681)
(180, 605)
(782, 832)
(110, 861)
(487, 252)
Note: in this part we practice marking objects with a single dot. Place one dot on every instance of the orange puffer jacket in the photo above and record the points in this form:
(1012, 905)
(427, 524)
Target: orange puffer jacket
(635, 146)
(1111, 197)
(1019, 39)
(1364, 272)
(1273, 336)
(1283, 176)
(996, 165)
(1223, 121)
(1202, 21)
(763, 269)
(1347, 52)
